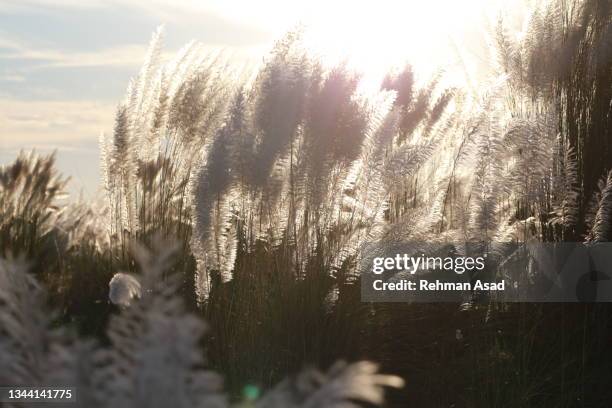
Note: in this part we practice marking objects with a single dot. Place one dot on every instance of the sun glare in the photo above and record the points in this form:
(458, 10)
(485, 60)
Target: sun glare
(373, 36)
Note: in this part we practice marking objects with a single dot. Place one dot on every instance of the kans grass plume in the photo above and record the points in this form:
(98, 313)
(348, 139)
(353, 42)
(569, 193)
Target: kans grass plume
(154, 357)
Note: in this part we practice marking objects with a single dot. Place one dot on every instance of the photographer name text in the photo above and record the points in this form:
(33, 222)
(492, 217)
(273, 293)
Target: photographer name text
(437, 285)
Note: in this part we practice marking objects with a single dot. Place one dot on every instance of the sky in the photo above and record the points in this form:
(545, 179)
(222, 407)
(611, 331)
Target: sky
(65, 64)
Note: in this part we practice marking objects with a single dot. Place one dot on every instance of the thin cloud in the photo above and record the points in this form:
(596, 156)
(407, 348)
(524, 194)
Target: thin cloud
(12, 6)
(28, 124)
(245, 12)
(130, 55)
(12, 78)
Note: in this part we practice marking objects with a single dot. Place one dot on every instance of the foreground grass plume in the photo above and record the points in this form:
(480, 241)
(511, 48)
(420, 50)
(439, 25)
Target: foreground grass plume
(154, 358)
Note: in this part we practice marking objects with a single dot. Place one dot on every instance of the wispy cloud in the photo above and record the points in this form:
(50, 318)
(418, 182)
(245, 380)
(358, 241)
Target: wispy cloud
(8, 6)
(31, 124)
(12, 77)
(125, 55)
(246, 12)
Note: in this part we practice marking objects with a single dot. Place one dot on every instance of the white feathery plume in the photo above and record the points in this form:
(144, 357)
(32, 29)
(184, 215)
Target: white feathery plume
(156, 360)
(123, 289)
(343, 386)
(24, 327)
(602, 226)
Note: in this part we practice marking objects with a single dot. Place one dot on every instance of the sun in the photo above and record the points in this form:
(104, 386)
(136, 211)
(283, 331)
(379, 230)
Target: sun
(374, 36)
